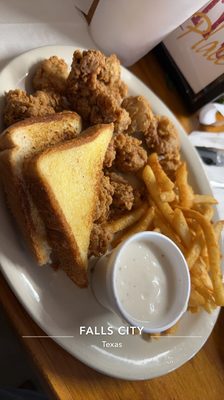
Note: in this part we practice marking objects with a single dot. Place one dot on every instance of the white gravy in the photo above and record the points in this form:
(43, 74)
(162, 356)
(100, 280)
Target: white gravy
(144, 281)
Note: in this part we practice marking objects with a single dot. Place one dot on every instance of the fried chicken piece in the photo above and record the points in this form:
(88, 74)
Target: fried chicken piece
(19, 105)
(99, 107)
(105, 110)
(86, 67)
(51, 74)
(163, 139)
(97, 71)
(104, 200)
(100, 239)
(125, 153)
(110, 155)
(140, 195)
(53, 99)
(130, 155)
(95, 90)
(110, 72)
(140, 113)
(123, 197)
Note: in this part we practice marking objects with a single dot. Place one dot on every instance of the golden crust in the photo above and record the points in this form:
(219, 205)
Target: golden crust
(85, 137)
(14, 189)
(60, 235)
(6, 137)
(19, 206)
(65, 249)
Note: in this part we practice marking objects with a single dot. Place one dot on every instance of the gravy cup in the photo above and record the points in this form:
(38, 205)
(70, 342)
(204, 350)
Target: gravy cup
(145, 280)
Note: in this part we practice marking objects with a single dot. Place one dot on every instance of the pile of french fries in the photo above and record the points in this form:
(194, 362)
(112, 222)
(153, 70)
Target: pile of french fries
(186, 218)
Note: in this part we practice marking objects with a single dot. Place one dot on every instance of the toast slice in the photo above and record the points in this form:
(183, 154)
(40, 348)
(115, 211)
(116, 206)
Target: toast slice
(64, 183)
(20, 142)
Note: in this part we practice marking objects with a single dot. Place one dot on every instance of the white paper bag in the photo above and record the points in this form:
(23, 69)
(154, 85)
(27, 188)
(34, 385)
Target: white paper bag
(130, 28)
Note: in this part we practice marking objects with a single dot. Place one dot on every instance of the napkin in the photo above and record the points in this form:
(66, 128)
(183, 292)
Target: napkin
(214, 173)
(27, 24)
(208, 139)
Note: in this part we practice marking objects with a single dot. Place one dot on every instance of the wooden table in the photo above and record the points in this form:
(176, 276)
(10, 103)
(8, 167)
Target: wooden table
(65, 378)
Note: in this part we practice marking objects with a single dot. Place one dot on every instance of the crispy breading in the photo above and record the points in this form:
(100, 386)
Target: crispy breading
(104, 200)
(123, 196)
(100, 240)
(19, 105)
(125, 153)
(95, 90)
(51, 74)
(130, 155)
(140, 113)
(110, 74)
(105, 109)
(54, 99)
(110, 155)
(162, 138)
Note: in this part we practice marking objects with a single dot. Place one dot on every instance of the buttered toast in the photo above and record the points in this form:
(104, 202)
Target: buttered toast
(64, 183)
(21, 142)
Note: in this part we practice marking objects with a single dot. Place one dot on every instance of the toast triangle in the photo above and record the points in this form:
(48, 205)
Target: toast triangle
(64, 182)
(20, 142)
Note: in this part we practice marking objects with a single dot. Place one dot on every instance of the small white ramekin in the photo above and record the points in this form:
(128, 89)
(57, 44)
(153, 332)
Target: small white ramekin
(104, 283)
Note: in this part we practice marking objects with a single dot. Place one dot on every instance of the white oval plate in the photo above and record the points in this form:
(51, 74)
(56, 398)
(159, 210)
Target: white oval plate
(60, 308)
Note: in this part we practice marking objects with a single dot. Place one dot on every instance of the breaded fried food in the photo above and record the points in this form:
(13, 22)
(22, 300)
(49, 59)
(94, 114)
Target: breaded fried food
(140, 113)
(110, 155)
(123, 196)
(104, 108)
(162, 138)
(130, 155)
(100, 239)
(51, 74)
(104, 200)
(95, 90)
(125, 153)
(19, 105)
(97, 71)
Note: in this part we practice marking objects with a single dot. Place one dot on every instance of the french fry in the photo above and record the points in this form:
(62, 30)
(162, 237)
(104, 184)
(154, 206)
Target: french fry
(205, 209)
(200, 274)
(193, 310)
(168, 196)
(152, 187)
(202, 290)
(199, 237)
(210, 306)
(218, 227)
(166, 229)
(149, 336)
(142, 225)
(185, 218)
(157, 230)
(204, 198)
(127, 220)
(171, 330)
(204, 256)
(164, 182)
(186, 195)
(180, 225)
(208, 212)
(196, 299)
(194, 251)
(213, 254)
